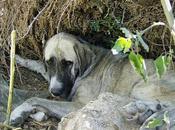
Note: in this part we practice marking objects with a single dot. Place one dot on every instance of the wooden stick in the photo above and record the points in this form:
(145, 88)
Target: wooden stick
(12, 71)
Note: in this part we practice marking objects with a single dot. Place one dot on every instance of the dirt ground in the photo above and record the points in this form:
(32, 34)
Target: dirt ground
(50, 124)
(26, 79)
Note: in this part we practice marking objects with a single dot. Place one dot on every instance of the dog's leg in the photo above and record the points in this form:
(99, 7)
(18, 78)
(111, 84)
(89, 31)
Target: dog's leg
(53, 108)
(34, 65)
(139, 110)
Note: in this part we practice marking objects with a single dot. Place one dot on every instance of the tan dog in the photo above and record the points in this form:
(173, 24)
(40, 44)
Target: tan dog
(80, 72)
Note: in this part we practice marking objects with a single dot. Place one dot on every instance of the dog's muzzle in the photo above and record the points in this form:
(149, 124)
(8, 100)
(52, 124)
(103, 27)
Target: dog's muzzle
(55, 87)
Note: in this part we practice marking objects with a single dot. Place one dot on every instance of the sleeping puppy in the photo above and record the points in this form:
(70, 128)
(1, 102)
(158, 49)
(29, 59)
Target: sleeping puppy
(79, 72)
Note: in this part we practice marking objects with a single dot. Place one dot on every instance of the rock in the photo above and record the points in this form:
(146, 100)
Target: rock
(113, 112)
(39, 116)
(105, 113)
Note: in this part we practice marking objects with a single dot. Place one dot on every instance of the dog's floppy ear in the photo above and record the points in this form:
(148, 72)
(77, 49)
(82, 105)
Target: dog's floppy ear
(85, 57)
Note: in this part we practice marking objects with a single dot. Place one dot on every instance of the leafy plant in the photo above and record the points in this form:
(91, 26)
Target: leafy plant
(108, 23)
(95, 25)
(155, 122)
(131, 44)
(138, 64)
(166, 118)
(123, 44)
(162, 62)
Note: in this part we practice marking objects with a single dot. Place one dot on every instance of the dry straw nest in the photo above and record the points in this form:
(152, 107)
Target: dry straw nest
(47, 17)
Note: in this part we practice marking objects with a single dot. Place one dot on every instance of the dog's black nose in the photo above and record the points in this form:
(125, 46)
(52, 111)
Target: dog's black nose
(56, 91)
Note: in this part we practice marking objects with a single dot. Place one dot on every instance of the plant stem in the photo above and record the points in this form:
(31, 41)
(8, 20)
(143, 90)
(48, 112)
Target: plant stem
(169, 16)
(153, 25)
(12, 71)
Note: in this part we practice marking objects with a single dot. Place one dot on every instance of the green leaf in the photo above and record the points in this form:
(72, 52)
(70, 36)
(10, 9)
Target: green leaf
(138, 64)
(117, 47)
(95, 25)
(154, 123)
(161, 65)
(142, 42)
(166, 118)
(123, 44)
(168, 60)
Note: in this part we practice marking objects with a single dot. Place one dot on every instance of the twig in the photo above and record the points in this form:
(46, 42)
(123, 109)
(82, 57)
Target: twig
(153, 25)
(34, 19)
(19, 73)
(163, 37)
(153, 43)
(68, 3)
(9, 127)
(12, 72)
(123, 16)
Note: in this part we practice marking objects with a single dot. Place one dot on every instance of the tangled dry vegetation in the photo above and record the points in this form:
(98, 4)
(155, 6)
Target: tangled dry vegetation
(97, 21)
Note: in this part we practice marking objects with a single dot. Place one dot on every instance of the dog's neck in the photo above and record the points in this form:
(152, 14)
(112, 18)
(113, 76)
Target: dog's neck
(98, 54)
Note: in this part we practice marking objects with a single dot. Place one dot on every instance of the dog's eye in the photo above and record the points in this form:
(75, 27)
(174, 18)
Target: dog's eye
(66, 62)
(50, 61)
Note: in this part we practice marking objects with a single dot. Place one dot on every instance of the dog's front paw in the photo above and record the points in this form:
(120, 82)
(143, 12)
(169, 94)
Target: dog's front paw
(21, 113)
(139, 111)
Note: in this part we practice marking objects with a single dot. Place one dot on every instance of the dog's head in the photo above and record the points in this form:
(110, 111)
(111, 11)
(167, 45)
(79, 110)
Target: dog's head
(65, 59)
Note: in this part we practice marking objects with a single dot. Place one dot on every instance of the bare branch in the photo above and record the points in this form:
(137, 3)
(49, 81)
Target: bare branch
(34, 19)
(64, 10)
